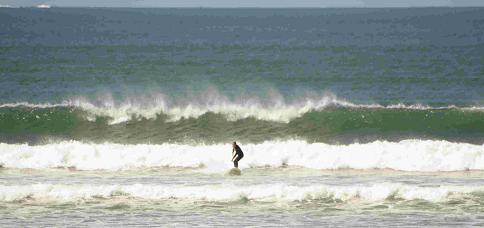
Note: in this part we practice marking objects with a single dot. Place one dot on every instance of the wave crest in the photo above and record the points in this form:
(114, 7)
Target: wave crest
(275, 108)
(223, 193)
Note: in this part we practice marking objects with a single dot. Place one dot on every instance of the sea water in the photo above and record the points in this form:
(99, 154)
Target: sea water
(347, 117)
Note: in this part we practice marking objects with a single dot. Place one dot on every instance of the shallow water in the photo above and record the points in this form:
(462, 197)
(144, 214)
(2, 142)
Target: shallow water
(259, 197)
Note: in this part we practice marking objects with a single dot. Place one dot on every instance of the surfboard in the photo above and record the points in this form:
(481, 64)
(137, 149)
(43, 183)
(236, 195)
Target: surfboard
(235, 172)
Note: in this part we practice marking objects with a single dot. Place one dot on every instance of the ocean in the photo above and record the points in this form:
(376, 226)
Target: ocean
(347, 117)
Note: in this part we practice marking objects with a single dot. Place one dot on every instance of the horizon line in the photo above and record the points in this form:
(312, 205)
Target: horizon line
(243, 7)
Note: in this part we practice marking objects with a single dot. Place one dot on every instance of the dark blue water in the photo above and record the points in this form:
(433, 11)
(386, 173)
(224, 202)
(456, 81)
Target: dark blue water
(387, 56)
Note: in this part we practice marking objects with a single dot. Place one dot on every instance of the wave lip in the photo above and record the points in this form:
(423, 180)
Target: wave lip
(406, 155)
(277, 109)
(220, 122)
(222, 193)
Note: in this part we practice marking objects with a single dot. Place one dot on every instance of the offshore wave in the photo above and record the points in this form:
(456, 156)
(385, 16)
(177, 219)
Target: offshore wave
(326, 120)
(277, 109)
(224, 193)
(407, 155)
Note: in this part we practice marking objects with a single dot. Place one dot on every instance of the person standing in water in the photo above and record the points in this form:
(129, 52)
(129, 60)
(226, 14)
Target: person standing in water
(237, 154)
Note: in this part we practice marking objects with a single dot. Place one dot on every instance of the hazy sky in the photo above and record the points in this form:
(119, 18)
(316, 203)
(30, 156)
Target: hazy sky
(244, 3)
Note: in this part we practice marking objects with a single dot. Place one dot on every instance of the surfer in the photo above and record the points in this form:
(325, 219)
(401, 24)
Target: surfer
(237, 154)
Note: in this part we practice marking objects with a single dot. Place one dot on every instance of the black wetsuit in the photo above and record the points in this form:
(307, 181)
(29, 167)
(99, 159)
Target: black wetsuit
(238, 155)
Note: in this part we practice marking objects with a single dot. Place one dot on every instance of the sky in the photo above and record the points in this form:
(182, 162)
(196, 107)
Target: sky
(244, 3)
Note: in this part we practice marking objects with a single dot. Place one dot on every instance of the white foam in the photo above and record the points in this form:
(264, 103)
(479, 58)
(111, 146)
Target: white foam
(230, 192)
(407, 155)
(32, 105)
(276, 108)
(43, 6)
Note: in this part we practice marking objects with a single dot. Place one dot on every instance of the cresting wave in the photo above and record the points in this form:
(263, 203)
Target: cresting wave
(223, 193)
(407, 155)
(327, 120)
(276, 109)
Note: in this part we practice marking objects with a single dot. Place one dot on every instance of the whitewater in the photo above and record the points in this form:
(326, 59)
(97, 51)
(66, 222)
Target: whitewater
(230, 192)
(407, 155)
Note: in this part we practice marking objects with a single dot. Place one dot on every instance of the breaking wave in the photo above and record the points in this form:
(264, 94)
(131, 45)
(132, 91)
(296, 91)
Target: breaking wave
(223, 193)
(275, 109)
(321, 120)
(407, 155)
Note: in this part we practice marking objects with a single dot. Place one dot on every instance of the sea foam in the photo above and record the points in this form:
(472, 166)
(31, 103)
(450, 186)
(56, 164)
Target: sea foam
(230, 192)
(407, 155)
